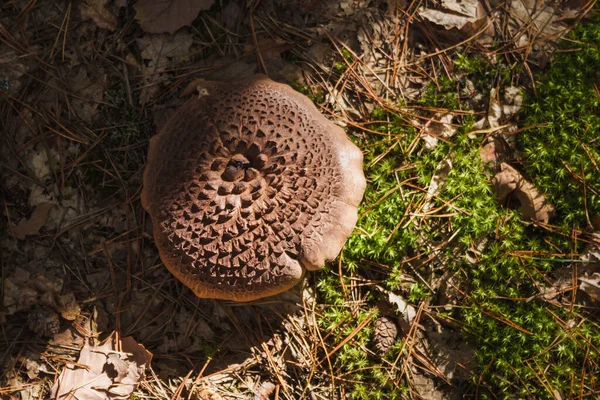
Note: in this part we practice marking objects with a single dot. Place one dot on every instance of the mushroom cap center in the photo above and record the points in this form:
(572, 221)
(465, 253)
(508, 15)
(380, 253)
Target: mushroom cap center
(236, 168)
(244, 167)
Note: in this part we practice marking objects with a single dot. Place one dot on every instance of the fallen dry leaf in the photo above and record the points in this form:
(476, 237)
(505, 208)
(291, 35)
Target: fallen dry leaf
(22, 290)
(449, 352)
(43, 321)
(209, 394)
(88, 94)
(67, 306)
(408, 312)
(591, 286)
(162, 52)
(231, 16)
(494, 109)
(267, 52)
(513, 100)
(12, 68)
(394, 5)
(437, 180)
(158, 16)
(96, 11)
(33, 225)
(265, 391)
(538, 25)
(68, 343)
(589, 272)
(533, 205)
(466, 16)
(268, 49)
(111, 370)
(494, 151)
(438, 127)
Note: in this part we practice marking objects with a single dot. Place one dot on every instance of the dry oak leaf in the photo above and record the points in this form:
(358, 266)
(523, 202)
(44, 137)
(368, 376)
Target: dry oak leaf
(33, 225)
(158, 16)
(111, 370)
(533, 204)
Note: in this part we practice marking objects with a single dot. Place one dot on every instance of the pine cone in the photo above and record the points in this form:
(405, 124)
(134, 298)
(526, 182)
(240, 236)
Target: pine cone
(384, 334)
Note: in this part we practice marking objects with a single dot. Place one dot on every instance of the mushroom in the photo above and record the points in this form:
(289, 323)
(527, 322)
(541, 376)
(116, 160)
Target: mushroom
(248, 186)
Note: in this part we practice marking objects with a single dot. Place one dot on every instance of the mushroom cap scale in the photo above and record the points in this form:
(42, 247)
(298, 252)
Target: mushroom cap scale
(248, 186)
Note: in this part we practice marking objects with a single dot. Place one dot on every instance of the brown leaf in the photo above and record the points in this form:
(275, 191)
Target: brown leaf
(43, 321)
(208, 394)
(265, 391)
(591, 286)
(96, 11)
(407, 311)
(466, 16)
(111, 370)
(440, 126)
(589, 271)
(394, 5)
(33, 225)
(269, 49)
(69, 342)
(162, 52)
(88, 93)
(68, 307)
(494, 151)
(540, 22)
(509, 182)
(12, 68)
(451, 355)
(158, 16)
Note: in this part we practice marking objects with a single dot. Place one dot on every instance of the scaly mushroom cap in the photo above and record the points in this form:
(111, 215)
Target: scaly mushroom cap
(248, 185)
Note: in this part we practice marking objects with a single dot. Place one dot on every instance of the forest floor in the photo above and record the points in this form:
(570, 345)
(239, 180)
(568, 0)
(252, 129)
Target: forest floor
(474, 268)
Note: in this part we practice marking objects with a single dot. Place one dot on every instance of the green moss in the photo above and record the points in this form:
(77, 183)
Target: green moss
(316, 96)
(523, 347)
(563, 154)
(526, 347)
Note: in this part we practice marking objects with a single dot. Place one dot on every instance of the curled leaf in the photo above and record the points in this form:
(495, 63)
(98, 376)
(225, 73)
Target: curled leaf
(532, 204)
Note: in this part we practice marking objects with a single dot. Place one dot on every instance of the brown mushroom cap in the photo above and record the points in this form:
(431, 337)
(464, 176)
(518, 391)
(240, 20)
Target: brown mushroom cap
(248, 185)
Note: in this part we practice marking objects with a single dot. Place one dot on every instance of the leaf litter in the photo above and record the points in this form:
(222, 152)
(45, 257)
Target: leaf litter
(97, 11)
(509, 182)
(111, 369)
(159, 16)
(35, 222)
